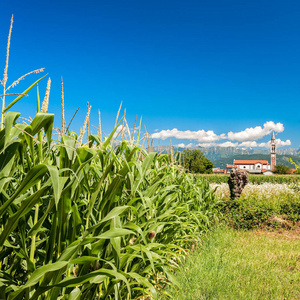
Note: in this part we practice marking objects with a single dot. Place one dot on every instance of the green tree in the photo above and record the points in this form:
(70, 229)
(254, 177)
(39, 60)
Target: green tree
(196, 162)
(281, 169)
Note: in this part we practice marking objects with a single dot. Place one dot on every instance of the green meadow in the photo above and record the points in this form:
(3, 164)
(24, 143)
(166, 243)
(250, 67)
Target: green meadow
(253, 253)
(241, 265)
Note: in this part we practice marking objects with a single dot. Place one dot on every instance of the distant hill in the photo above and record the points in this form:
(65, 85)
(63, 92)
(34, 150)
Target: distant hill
(280, 159)
(221, 156)
(216, 153)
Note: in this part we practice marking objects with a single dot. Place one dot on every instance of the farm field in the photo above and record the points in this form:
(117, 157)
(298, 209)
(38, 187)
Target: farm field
(258, 179)
(88, 216)
(102, 221)
(102, 217)
(89, 219)
(235, 264)
(91, 216)
(253, 253)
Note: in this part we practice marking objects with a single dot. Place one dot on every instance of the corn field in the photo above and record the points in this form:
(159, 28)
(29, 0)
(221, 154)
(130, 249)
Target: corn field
(101, 220)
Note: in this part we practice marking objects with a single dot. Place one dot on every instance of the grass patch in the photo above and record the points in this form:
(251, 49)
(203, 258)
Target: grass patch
(242, 265)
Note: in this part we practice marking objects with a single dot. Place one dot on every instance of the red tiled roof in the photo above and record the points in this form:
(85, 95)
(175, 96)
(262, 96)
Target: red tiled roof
(217, 170)
(250, 162)
(229, 166)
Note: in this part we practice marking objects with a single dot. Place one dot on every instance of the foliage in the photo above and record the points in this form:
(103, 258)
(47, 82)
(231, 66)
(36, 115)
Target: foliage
(91, 221)
(196, 162)
(281, 169)
(258, 204)
(297, 166)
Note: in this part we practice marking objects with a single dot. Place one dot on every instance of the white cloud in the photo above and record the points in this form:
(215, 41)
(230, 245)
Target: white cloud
(253, 144)
(206, 145)
(225, 144)
(119, 130)
(279, 143)
(182, 145)
(245, 139)
(200, 135)
(228, 144)
(258, 132)
(250, 144)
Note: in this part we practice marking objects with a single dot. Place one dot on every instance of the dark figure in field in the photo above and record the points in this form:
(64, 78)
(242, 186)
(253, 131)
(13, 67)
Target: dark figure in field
(237, 181)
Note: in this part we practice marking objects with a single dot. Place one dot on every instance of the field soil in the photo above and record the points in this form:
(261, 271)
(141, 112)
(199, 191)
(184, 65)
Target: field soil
(288, 230)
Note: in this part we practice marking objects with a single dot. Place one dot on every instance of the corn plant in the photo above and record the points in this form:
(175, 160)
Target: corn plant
(91, 222)
(101, 220)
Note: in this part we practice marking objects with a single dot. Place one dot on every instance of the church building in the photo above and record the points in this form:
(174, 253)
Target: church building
(256, 166)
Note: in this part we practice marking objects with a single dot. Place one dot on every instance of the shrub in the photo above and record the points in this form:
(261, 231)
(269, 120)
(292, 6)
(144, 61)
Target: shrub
(281, 169)
(258, 203)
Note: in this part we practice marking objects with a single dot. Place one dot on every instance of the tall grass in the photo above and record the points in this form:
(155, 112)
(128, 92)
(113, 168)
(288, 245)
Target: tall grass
(102, 220)
(241, 265)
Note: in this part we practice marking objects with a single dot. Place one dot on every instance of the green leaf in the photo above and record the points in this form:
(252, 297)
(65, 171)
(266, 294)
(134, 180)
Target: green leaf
(145, 282)
(7, 161)
(57, 183)
(26, 206)
(114, 233)
(69, 144)
(75, 294)
(69, 282)
(32, 178)
(113, 213)
(37, 275)
(43, 120)
(34, 230)
(83, 259)
(9, 121)
(139, 133)
(107, 141)
(21, 96)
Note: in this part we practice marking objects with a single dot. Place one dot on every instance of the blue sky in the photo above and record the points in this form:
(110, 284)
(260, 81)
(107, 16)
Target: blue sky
(204, 68)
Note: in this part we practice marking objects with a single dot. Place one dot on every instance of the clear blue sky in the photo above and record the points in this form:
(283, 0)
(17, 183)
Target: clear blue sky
(216, 66)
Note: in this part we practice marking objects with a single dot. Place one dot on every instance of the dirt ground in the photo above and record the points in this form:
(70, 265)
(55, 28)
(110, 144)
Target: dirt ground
(286, 229)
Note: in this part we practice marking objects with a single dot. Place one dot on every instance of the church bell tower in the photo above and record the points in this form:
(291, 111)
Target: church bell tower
(273, 152)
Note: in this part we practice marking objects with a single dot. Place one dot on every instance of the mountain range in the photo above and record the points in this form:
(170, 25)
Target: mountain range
(280, 159)
(221, 156)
